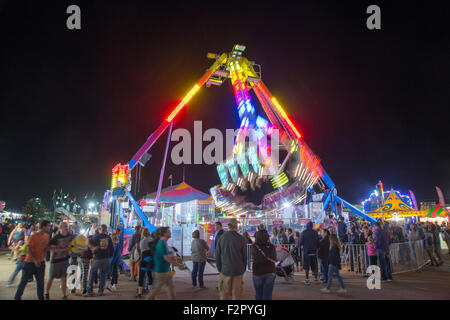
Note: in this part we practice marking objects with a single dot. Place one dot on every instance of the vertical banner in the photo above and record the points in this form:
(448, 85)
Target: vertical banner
(441, 196)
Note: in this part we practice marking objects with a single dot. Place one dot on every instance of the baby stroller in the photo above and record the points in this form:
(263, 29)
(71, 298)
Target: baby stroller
(284, 264)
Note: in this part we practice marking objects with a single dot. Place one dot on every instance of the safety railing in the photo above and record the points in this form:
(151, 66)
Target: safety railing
(354, 258)
(405, 256)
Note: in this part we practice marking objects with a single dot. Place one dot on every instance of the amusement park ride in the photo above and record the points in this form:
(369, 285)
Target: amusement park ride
(251, 161)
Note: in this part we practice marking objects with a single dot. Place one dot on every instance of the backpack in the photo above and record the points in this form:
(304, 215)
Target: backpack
(147, 257)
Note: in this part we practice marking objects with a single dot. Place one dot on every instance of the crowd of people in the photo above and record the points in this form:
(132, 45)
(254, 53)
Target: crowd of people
(98, 253)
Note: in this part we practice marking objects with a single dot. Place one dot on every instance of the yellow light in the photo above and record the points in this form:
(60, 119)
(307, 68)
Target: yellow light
(183, 102)
(284, 115)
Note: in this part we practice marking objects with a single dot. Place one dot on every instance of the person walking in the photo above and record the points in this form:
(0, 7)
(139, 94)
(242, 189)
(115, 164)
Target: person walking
(263, 267)
(34, 262)
(60, 246)
(334, 264)
(21, 253)
(324, 250)
(231, 261)
(309, 242)
(199, 249)
(161, 269)
(102, 248)
(382, 246)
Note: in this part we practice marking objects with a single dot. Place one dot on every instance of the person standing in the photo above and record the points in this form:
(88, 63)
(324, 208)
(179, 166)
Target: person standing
(334, 264)
(116, 259)
(437, 243)
(324, 250)
(429, 245)
(274, 238)
(219, 232)
(91, 230)
(371, 251)
(231, 258)
(60, 246)
(247, 237)
(102, 248)
(342, 230)
(199, 249)
(161, 269)
(4, 235)
(282, 237)
(132, 246)
(147, 247)
(382, 246)
(263, 268)
(291, 239)
(34, 263)
(309, 242)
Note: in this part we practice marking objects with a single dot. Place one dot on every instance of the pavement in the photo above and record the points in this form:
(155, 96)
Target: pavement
(431, 283)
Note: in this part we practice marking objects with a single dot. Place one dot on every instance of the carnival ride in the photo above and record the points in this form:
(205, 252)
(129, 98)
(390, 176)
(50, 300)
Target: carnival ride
(252, 160)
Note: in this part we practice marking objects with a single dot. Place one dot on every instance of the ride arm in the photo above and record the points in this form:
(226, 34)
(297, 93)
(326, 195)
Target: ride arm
(141, 214)
(163, 126)
(355, 210)
(279, 118)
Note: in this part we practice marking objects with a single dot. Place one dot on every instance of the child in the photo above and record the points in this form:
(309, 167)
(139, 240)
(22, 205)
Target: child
(371, 251)
(20, 251)
(334, 264)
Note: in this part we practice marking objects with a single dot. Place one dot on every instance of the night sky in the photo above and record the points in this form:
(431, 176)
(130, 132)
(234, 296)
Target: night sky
(371, 104)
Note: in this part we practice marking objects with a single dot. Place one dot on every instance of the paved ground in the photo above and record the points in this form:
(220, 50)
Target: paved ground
(430, 283)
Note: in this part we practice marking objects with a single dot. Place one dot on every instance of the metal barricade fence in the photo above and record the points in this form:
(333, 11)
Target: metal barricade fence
(405, 256)
(354, 258)
(291, 247)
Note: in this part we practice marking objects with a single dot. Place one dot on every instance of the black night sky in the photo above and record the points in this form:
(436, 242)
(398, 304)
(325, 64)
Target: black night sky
(371, 104)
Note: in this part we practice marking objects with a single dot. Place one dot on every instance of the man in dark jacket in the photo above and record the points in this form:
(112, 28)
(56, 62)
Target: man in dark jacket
(342, 230)
(219, 233)
(231, 261)
(324, 249)
(309, 240)
(382, 247)
(291, 239)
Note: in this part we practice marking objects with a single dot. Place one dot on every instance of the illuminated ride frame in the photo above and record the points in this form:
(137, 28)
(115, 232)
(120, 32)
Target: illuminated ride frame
(251, 160)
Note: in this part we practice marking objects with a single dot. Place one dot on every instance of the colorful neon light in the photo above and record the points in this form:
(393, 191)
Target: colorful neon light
(284, 115)
(120, 173)
(279, 180)
(183, 102)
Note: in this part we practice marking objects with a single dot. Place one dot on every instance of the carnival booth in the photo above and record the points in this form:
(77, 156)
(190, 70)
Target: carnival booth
(184, 209)
(437, 214)
(394, 209)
